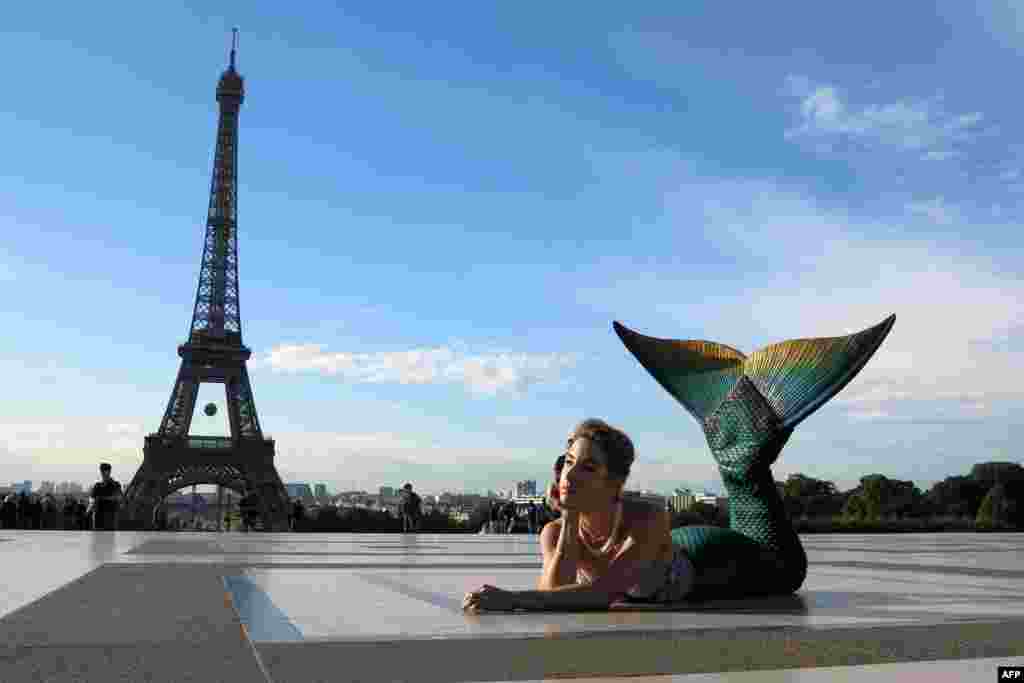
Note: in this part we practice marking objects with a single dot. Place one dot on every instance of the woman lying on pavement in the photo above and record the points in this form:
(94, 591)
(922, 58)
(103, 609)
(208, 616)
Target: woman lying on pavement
(605, 549)
(602, 548)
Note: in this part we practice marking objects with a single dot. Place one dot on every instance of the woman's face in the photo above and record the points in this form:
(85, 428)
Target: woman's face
(585, 484)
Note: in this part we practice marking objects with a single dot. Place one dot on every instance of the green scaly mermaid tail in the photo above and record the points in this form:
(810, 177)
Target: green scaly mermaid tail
(748, 407)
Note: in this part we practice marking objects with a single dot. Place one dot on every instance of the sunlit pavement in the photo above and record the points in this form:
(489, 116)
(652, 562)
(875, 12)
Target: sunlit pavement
(387, 607)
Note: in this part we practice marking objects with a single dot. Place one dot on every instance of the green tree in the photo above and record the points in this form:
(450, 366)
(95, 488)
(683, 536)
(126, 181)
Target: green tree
(987, 511)
(989, 474)
(884, 497)
(960, 496)
(1002, 506)
(803, 495)
(856, 508)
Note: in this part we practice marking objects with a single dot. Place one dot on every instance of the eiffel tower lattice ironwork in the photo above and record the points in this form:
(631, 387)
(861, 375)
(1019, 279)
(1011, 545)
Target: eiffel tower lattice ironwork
(214, 353)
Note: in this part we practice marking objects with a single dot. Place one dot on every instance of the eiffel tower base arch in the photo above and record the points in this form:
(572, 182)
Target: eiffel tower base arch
(169, 464)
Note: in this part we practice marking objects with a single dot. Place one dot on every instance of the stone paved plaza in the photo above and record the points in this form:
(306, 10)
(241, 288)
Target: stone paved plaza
(124, 606)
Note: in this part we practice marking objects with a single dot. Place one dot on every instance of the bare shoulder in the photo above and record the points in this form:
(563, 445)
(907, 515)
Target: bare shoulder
(549, 534)
(549, 537)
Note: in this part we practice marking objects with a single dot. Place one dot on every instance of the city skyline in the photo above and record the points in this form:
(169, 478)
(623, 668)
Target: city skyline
(440, 215)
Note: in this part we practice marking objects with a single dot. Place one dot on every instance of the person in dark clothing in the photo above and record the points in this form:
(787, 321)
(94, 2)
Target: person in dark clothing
(70, 513)
(249, 507)
(49, 516)
(508, 512)
(35, 511)
(106, 499)
(160, 516)
(532, 517)
(495, 518)
(24, 516)
(82, 515)
(410, 509)
(298, 515)
(9, 513)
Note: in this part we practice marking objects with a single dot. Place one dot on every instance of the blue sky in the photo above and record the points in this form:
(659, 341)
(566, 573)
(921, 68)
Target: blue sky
(442, 210)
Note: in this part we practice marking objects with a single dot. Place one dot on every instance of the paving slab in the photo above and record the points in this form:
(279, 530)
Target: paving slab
(944, 671)
(130, 623)
(37, 562)
(387, 607)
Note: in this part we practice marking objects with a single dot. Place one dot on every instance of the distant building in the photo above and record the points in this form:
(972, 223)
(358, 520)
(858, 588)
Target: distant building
(681, 500)
(387, 491)
(706, 498)
(299, 491)
(22, 487)
(655, 499)
(526, 488)
(320, 490)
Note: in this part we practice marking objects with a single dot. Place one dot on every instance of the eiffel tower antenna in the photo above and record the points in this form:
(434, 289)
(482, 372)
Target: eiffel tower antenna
(214, 353)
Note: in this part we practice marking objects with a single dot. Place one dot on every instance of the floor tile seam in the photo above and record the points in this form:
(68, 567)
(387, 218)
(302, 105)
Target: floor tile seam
(908, 578)
(647, 630)
(343, 554)
(550, 659)
(216, 643)
(896, 552)
(824, 632)
(925, 569)
(333, 565)
(228, 595)
(256, 610)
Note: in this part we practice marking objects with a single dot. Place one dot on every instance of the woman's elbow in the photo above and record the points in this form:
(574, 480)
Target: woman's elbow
(549, 581)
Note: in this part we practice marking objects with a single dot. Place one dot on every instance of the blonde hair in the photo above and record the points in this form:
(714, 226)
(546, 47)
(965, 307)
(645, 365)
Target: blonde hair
(614, 443)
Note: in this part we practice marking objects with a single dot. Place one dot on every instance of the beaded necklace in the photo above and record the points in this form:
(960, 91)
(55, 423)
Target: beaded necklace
(608, 543)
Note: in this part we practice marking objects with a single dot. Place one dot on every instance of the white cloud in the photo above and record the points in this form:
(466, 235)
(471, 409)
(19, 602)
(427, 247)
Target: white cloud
(804, 270)
(488, 372)
(316, 444)
(914, 125)
(130, 428)
(936, 210)
(73, 441)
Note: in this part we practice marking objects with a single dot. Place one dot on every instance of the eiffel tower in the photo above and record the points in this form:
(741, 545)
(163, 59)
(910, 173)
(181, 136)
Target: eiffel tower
(214, 353)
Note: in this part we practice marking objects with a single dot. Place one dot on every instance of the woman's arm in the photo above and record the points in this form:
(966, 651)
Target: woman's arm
(561, 552)
(644, 544)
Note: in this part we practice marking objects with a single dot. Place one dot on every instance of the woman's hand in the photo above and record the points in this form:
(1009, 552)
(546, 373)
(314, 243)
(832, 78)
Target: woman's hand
(489, 598)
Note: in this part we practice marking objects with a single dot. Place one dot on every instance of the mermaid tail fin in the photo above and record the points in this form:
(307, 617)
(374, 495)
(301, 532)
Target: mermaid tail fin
(698, 374)
(795, 377)
(799, 376)
(748, 408)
